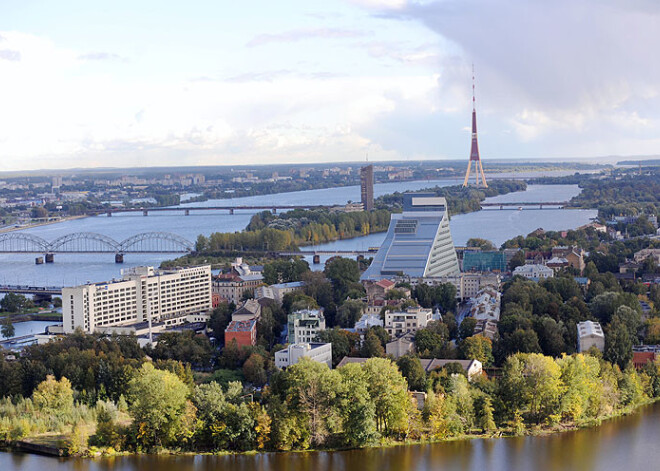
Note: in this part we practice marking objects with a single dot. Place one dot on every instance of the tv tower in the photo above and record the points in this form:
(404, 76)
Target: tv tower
(474, 151)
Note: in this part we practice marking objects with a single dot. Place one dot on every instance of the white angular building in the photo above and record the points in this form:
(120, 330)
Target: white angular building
(590, 334)
(319, 352)
(418, 242)
(143, 294)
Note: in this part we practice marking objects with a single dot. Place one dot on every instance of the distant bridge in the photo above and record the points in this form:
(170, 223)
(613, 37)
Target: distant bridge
(528, 204)
(38, 290)
(92, 242)
(188, 209)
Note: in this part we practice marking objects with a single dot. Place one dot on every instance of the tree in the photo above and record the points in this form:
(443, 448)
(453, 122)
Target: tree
(342, 272)
(15, 303)
(483, 244)
(157, 404)
(387, 389)
(311, 392)
(8, 329)
(517, 260)
(254, 370)
(485, 419)
(350, 312)
(343, 342)
(618, 344)
(185, 347)
(358, 410)
(477, 347)
(466, 329)
(372, 347)
(411, 369)
(52, 396)
(220, 319)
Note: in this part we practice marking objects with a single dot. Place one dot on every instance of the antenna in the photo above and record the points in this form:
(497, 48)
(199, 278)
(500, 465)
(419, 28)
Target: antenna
(473, 99)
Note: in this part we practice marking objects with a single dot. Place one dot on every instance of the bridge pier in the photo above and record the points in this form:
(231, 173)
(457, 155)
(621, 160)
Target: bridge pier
(145, 213)
(109, 214)
(39, 261)
(119, 258)
(231, 211)
(50, 258)
(501, 207)
(274, 210)
(316, 259)
(187, 212)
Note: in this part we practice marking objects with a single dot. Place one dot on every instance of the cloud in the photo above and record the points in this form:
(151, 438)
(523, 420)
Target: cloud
(101, 56)
(303, 34)
(9, 55)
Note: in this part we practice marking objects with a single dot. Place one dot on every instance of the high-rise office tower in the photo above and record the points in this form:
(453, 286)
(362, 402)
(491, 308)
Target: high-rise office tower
(367, 187)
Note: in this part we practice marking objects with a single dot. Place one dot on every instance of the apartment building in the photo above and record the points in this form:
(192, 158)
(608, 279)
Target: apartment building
(412, 319)
(142, 294)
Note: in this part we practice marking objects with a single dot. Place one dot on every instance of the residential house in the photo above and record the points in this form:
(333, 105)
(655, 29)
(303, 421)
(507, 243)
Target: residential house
(305, 325)
(319, 352)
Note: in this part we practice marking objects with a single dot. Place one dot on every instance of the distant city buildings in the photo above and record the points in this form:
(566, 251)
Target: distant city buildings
(367, 187)
(418, 242)
(142, 295)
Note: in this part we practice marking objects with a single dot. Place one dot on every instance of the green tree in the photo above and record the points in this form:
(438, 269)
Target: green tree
(477, 347)
(254, 370)
(342, 272)
(357, 409)
(55, 397)
(466, 329)
(350, 312)
(411, 369)
(618, 344)
(517, 260)
(387, 388)
(157, 404)
(7, 329)
(485, 419)
(372, 346)
(15, 303)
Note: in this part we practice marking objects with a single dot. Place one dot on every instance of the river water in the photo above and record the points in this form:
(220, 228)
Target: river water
(72, 269)
(627, 443)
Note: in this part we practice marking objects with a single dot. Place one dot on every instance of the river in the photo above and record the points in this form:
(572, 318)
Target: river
(73, 269)
(628, 443)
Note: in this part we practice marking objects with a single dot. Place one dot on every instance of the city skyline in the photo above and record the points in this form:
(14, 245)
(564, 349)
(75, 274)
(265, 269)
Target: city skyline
(161, 84)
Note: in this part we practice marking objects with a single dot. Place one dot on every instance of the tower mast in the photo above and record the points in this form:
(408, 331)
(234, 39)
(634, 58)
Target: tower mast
(474, 150)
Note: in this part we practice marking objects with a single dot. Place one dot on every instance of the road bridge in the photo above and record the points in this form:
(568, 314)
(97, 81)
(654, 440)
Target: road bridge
(186, 210)
(527, 205)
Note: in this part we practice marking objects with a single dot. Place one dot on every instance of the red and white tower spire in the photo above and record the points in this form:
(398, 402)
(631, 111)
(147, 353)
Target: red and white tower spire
(474, 150)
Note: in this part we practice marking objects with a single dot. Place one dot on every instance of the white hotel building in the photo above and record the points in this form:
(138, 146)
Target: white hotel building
(141, 295)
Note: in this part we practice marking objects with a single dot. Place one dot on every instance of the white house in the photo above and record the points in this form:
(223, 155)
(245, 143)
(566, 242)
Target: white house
(319, 352)
(534, 271)
(590, 334)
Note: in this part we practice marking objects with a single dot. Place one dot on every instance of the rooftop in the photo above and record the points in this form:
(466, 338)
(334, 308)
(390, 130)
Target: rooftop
(241, 326)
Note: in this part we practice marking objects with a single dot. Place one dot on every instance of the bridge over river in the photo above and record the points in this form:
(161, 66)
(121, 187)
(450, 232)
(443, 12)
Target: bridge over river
(92, 242)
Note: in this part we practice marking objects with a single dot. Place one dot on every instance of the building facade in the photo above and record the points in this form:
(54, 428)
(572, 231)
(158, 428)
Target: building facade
(418, 242)
(412, 319)
(367, 187)
(590, 334)
(304, 326)
(319, 352)
(142, 295)
(231, 286)
(534, 271)
(243, 332)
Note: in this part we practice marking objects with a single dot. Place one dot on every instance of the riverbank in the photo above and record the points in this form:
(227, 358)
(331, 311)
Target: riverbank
(40, 224)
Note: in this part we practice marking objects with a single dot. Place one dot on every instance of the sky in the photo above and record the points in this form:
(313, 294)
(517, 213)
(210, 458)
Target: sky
(160, 83)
